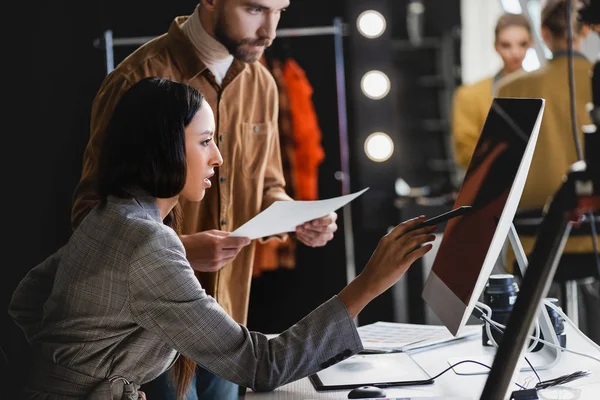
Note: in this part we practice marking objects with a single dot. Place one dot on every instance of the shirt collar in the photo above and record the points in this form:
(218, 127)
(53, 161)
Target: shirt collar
(497, 77)
(186, 58)
(145, 200)
(210, 50)
(564, 53)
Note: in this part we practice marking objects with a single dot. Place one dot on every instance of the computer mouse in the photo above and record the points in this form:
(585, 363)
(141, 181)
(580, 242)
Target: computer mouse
(366, 392)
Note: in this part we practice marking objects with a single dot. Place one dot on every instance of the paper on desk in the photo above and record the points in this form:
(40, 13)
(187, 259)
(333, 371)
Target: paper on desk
(285, 216)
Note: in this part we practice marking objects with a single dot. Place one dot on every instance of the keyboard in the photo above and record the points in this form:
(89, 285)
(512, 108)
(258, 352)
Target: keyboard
(385, 337)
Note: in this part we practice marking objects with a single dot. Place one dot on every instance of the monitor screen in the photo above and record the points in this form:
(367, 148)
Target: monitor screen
(492, 185)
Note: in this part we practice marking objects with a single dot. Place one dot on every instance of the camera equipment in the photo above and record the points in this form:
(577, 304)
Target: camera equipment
(500, 295)
(557, 322)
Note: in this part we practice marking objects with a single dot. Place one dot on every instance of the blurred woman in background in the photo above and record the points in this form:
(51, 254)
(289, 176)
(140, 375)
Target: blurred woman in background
(471, 103)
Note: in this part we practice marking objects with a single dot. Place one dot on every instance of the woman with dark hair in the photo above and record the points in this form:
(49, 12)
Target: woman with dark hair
(113, 307)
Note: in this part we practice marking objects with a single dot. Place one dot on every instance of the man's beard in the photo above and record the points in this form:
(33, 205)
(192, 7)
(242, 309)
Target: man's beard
(239, 49)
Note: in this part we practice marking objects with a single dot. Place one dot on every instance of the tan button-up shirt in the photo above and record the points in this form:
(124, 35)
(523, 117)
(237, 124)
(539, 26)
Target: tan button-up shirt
(250, 179)
(555, 148)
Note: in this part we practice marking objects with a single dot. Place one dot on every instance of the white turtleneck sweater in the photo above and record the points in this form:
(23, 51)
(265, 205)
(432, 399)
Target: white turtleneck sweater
(213, 54)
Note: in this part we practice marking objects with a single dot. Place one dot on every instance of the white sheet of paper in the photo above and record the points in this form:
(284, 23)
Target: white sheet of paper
(285, 216)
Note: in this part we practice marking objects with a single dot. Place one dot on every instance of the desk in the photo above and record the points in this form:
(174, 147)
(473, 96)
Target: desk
(448, 385)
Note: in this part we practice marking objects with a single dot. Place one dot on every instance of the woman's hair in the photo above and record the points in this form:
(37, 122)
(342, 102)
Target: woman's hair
(144, 145)
(507, 20)
(554, 18)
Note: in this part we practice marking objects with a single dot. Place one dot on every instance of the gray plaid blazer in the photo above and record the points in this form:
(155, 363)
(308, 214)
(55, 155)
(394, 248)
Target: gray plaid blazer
(120, 300)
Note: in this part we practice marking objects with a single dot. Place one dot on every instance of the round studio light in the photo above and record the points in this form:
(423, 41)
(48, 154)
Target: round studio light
(379, 147)
(371, 24)
(375, 85)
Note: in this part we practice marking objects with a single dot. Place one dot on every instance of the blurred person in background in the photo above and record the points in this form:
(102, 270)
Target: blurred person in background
(471, 103)
(555, 149)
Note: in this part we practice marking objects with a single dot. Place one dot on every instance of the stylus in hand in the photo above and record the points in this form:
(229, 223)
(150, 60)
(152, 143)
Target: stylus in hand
(463, 210)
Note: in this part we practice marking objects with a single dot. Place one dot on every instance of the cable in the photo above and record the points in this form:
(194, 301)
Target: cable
(430, 380)
(537, 331)
(552, 344)
(532, 393)
(469, 361)
(501, 331)
(561, 380)
(541, 384)
(575, 327)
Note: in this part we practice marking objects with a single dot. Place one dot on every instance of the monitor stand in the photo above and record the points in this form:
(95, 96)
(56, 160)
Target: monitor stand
(545, 358)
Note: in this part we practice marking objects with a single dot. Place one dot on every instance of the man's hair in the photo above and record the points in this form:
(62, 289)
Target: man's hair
(554, 18)
(507, 20)
(144, 145)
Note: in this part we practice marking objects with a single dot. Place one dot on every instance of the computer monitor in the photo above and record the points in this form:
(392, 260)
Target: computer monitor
(492, 185)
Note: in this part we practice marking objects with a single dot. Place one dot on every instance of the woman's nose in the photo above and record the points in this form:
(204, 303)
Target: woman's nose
(216, 159)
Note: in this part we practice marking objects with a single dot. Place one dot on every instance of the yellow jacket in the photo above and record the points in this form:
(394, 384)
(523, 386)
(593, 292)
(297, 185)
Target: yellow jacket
(555, 149)
(470, 107)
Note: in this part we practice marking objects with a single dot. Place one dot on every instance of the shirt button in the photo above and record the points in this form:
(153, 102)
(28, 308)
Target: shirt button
(255, 129)
(223, 222)
(221, 138)
(223, 179)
